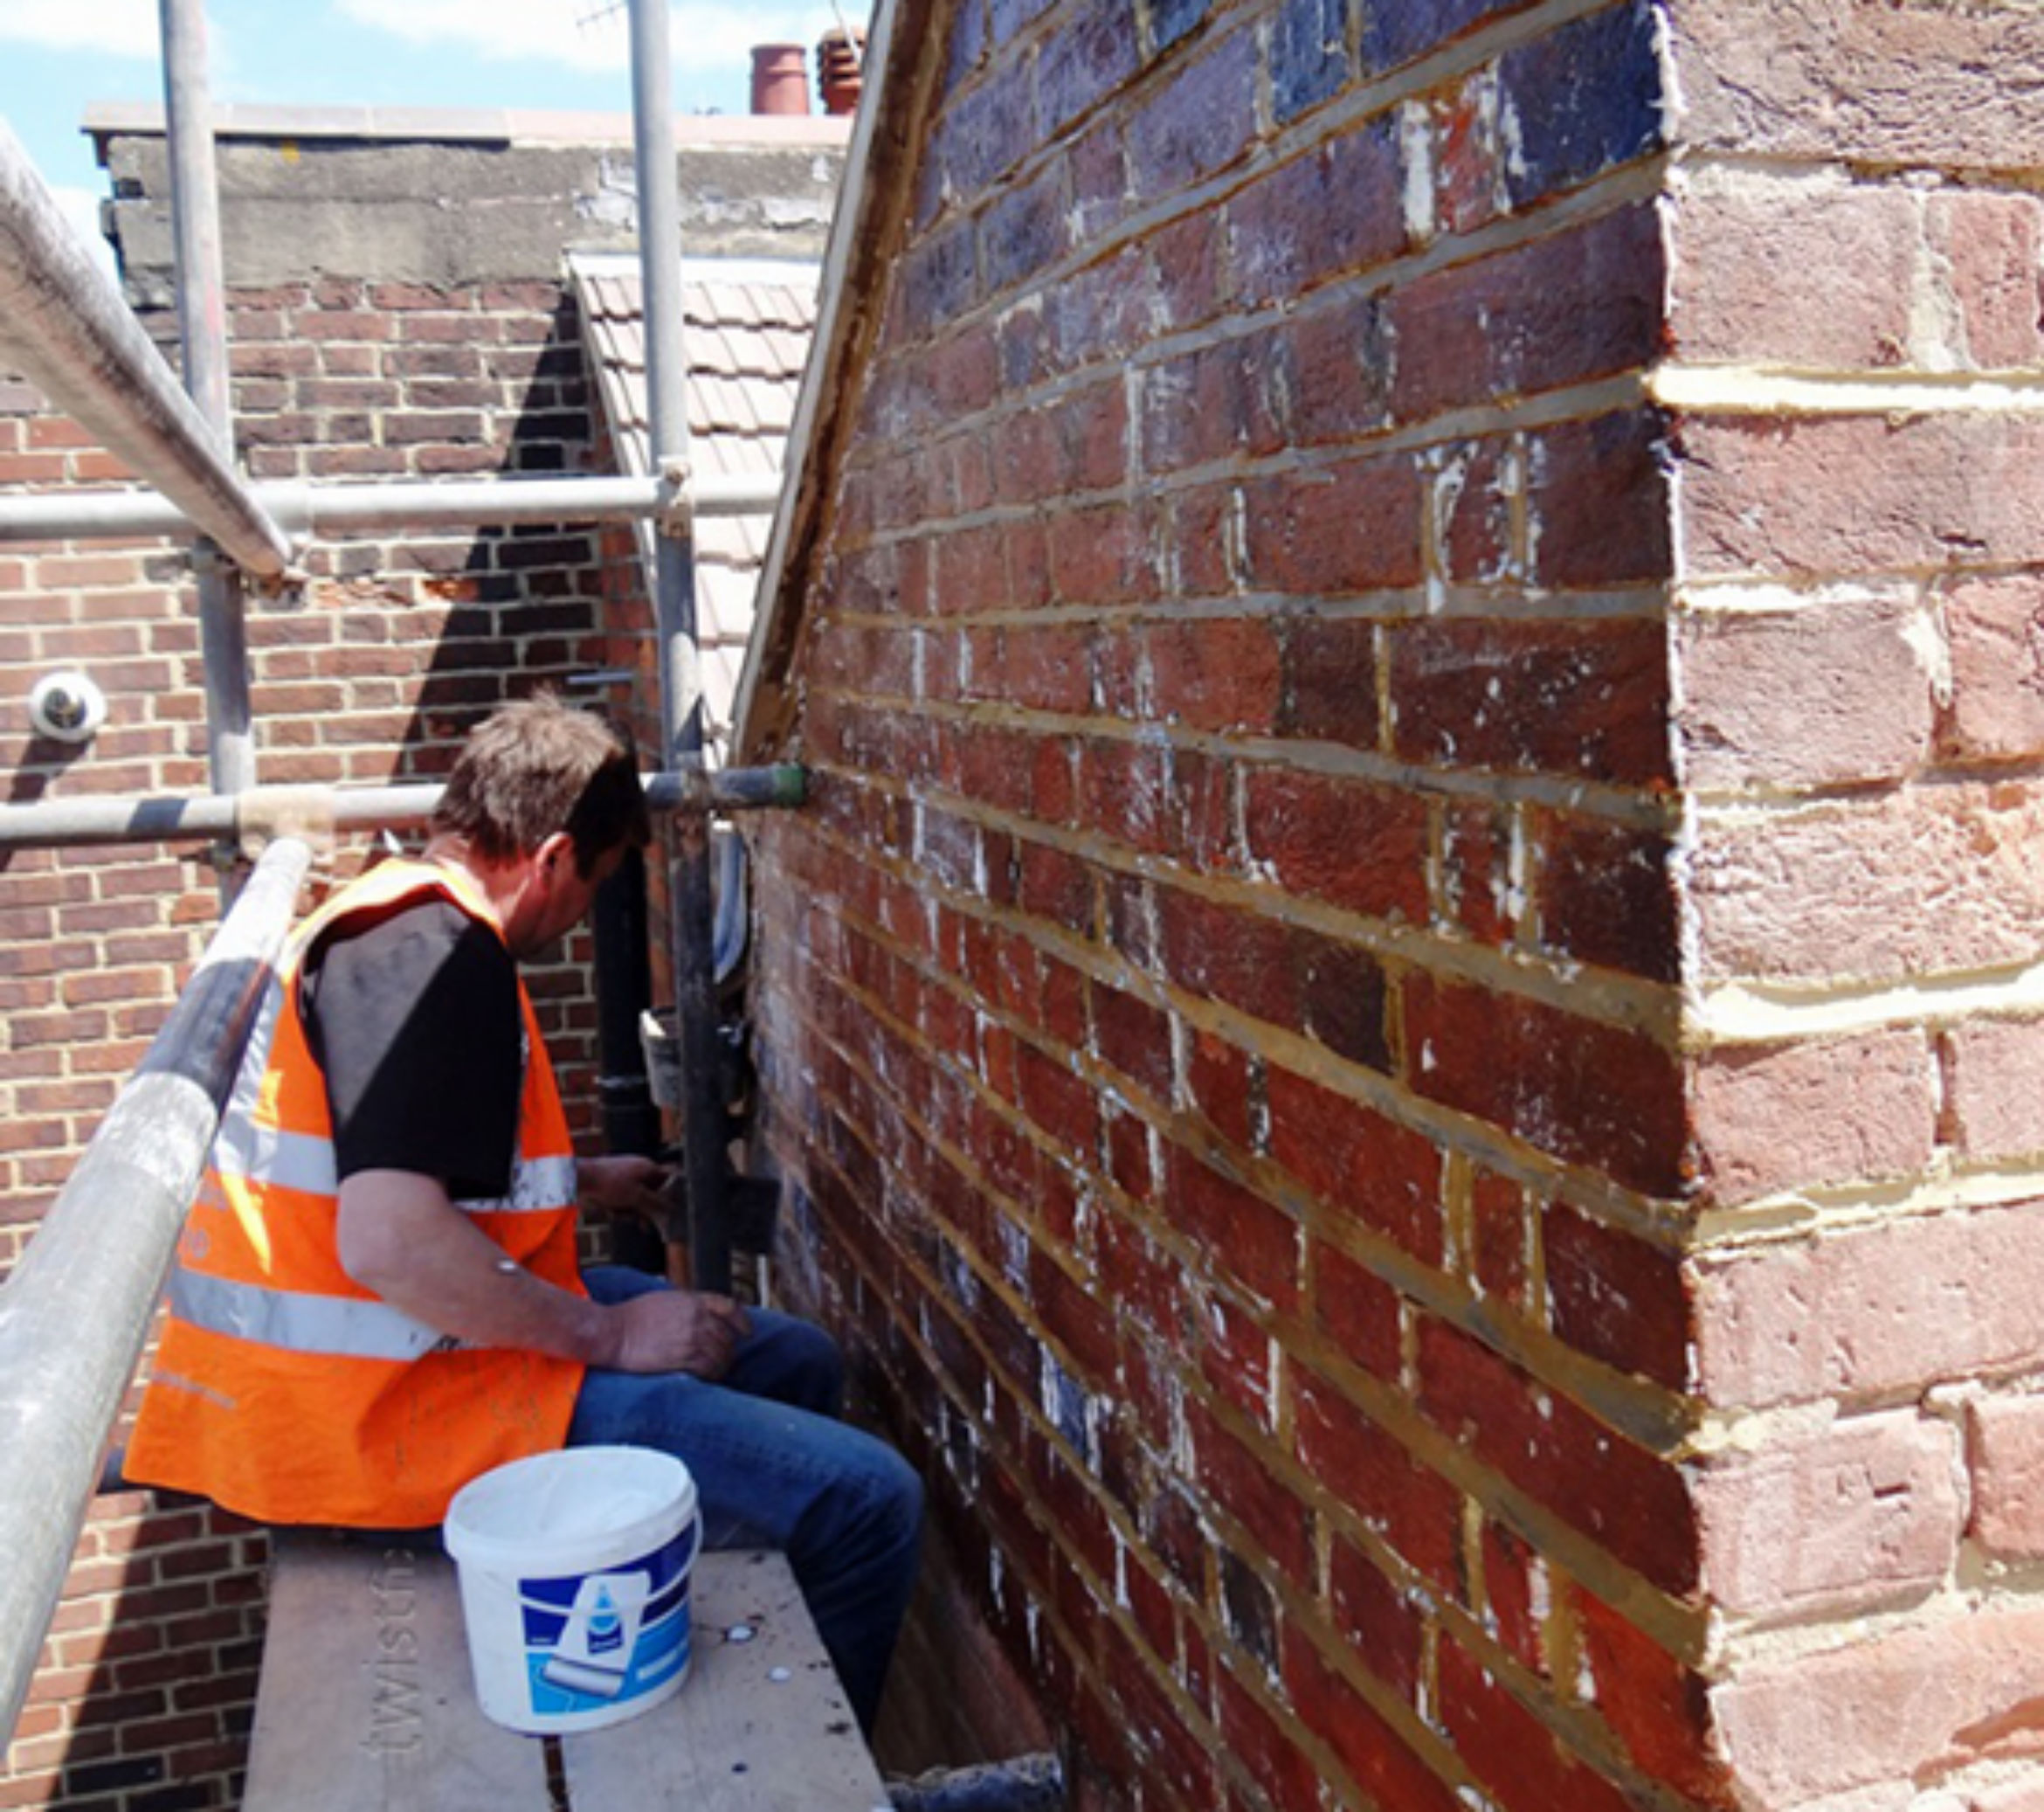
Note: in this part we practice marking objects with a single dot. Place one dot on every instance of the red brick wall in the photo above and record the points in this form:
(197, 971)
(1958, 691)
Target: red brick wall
(1854, 317)
(1406, 1018)
(369, 672)
(1220, 1010)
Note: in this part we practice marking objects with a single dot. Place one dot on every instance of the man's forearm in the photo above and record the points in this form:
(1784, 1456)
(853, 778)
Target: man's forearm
(400, 1236)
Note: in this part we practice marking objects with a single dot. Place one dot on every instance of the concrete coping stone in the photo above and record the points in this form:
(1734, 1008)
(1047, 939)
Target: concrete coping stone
(107, 119)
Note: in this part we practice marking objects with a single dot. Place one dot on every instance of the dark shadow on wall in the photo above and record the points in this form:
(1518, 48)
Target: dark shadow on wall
(145, 1692)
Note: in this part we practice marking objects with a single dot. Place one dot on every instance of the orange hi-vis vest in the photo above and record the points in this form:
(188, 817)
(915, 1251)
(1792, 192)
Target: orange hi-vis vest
(283, 1389)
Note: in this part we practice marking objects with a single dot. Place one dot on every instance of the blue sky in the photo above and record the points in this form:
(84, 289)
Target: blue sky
(57, 56)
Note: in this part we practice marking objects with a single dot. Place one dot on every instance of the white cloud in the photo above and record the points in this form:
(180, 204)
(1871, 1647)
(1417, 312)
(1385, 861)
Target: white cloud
(108, 28)
(587, 34)
(81, 208)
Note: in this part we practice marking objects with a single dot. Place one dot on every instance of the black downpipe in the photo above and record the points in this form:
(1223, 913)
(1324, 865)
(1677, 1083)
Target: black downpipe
(624, 985)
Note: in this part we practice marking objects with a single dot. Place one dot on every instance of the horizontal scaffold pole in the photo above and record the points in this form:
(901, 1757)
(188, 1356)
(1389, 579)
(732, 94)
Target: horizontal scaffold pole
(75, 1312)
(325, 510)
(264, 812)
(65, 327)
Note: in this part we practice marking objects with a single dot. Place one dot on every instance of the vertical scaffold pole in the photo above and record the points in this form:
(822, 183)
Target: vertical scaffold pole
(202, 314)
(659, 254)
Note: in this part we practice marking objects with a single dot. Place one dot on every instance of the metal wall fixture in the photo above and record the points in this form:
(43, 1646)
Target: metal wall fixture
(66, 707)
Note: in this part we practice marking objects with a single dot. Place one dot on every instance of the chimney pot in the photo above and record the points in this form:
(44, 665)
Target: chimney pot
(780, 83)
(839, 57)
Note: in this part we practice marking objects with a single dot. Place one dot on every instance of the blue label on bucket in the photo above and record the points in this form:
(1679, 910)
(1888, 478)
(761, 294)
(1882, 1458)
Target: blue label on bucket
(598, 1639)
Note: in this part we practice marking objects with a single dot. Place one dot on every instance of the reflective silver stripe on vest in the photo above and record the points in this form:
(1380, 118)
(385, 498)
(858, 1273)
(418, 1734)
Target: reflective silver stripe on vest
(539, 1186)
(333, 1326)
(305, 1162)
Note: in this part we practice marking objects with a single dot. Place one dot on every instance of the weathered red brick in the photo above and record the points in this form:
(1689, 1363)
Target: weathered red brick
(1632, 1501)
(1994, 633)
(1232, 956)
(1791, 271)
(1866, 1310)
(1262, 1243)
(1274, 1760)
(1134, 1035)
(1841, 691)
(1776, 1116)
(1102, 555)
(1473, 487)
(1514, 1753)
(1501, 1237)
(1383, 1626)
(1336, 361)
(1362, 1165)
(1879, 1707)
(1989, 245)
(1858, 494)
(2005, 1454)
(1473, 884)
(1605, 894)
(1468, 154)
(1587, 1092)
(1904, 884)
(1336, 529)
(1378, 1759)
(1514, 1600)
(1659, 1708)
(1236, 1358)
(1242, 1482)
(1993, 1071)
(1329, 678)
(1344, 997)
(1416, 1511)
(1565, 308)
(1333, 211)
(1213, 674)
(1871, 1501)
(1354, 842)
(1908, 88)
(1598, 502)
(1357, 1310)
(1615, 1295)
(1564, 696)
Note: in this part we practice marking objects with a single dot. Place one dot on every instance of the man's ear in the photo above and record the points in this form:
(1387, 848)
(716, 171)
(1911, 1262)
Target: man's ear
(555, 855)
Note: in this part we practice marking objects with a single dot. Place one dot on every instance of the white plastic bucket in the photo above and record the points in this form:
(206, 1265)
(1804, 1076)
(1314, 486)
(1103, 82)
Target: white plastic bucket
(575, 1573)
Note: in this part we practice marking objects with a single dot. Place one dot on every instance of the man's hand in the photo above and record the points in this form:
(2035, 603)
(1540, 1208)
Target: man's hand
(624, 1184)
(676, 1331)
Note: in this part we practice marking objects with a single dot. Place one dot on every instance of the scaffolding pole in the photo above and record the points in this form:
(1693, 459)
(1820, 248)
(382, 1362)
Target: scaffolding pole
(260, 813)
(316, 509)
(75, 1312)
(704, 1133)
(202, 320)
(63, 325)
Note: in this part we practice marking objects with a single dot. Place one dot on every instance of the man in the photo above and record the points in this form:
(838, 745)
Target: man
(376, 1296)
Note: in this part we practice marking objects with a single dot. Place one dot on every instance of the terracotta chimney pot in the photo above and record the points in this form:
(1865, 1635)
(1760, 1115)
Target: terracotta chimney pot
(780, 84)
(840, 55)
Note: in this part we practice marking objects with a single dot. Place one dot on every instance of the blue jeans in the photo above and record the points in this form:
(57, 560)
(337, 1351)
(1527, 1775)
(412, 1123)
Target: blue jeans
(774, 1468)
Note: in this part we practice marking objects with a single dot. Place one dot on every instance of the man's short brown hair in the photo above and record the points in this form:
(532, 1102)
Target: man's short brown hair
(537, 766)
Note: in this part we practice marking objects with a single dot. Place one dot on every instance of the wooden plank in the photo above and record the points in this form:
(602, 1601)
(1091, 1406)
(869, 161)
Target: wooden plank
(367, 1703)
(761, 1722)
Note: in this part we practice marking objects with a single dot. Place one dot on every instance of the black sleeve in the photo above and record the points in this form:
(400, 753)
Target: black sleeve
(414, 1017)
